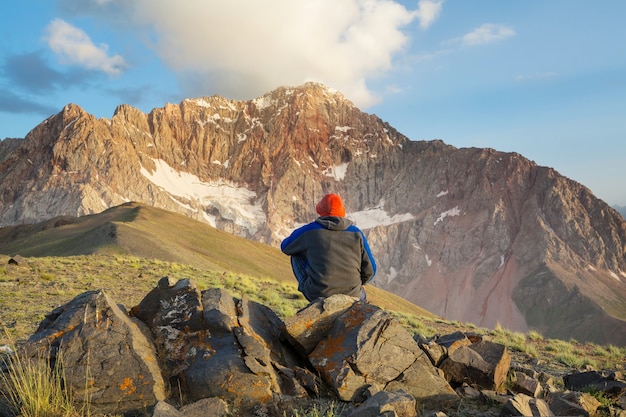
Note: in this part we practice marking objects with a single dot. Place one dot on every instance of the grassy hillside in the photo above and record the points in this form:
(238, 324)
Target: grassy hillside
(127, 249)
(146, 232)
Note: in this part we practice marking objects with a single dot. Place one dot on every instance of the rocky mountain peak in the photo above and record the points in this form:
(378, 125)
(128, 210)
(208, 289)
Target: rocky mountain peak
(470, 234)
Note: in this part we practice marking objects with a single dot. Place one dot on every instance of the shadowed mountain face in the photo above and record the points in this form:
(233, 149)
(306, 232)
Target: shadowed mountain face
(470, 234)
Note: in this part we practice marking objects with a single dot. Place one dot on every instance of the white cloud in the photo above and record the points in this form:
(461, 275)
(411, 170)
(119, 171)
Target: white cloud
(428, 11)
(246, 48)
(487, 33)
(75, 47)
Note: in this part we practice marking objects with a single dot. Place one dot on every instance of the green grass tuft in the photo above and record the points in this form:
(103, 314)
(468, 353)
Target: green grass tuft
(34, 388)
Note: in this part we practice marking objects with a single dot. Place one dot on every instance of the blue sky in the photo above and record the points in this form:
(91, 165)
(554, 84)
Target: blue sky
(546, 79)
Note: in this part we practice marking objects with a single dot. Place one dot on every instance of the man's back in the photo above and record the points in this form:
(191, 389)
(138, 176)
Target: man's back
(330, 256)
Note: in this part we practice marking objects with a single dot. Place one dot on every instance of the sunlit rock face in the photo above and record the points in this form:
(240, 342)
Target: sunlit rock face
(470, 234)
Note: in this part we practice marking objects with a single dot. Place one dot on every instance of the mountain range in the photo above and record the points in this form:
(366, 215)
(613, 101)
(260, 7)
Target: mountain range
(469, 234)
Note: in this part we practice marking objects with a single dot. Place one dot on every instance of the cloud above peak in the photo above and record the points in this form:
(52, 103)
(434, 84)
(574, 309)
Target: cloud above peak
(74, 47)
(243, 49)
(251, 46)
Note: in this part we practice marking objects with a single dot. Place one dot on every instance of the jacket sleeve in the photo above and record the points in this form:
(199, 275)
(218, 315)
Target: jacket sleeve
(368, 263)
(293, 244)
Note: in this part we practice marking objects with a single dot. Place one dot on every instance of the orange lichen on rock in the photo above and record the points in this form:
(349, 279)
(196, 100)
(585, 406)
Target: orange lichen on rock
(62, 332)
(330, 352)
(128, 386)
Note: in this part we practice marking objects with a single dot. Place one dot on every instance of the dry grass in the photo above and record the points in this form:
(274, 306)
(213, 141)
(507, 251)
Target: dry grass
(31, 290)
(34, 388)
(35, 288)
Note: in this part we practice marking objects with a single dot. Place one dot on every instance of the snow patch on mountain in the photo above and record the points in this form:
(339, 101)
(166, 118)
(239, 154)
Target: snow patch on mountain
(369, 218)
(393, 273)
(364, 219)
(198, 102)
(263, 102)
(337, 172)
(233, 203)
(267, 100)
(452, 212)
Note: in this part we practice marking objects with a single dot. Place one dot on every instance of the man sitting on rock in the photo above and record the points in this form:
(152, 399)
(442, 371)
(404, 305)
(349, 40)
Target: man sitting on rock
(330, 255)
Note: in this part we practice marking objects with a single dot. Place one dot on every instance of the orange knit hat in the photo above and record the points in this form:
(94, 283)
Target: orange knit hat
(331, 205)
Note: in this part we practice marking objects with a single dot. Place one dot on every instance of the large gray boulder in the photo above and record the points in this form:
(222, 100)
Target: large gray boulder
(574, 404)
(368, 348)
(482, 365)
(217, 346)
(173, 313)
(105, 356)
(311, 324)
(595, 380)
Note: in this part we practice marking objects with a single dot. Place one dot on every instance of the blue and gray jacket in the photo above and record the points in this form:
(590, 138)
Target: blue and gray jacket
(330, 256)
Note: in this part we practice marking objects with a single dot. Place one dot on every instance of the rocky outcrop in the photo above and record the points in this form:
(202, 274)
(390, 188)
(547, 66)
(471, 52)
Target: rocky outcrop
(595, 381)
(485, 364)
(108, 359)
(469, 234)
(215, 346)
(366, 349)
(182, 352)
